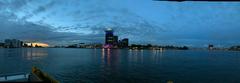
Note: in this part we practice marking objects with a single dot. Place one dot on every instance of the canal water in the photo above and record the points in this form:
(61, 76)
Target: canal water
(69, 65)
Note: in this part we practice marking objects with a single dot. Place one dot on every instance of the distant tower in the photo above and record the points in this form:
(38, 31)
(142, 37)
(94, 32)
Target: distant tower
(109, 37)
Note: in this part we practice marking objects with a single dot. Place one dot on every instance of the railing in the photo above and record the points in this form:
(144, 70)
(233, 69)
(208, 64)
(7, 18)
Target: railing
(43, 76)
(14, 76)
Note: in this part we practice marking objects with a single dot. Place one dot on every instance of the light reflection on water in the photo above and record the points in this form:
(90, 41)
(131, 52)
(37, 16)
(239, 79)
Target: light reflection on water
(14, 60)
(28, 53)
(34, 54)
(125, 66)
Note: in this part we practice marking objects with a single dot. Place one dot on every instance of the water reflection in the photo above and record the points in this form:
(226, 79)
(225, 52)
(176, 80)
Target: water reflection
(12, 52)
(141, 56)
(10, 58)
(110, 56)
(13, 60)
(156, 56)
(35, 53)
(124, 66)
(136, 56)
(110, 64)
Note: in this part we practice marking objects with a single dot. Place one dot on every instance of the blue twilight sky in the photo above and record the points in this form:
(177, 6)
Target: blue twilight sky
(61, 22)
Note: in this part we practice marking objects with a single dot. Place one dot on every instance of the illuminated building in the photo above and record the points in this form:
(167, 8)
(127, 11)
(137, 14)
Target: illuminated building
(111, 40)
(109, 37)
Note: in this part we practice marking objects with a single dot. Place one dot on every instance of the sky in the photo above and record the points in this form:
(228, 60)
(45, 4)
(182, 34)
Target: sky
(63, 22)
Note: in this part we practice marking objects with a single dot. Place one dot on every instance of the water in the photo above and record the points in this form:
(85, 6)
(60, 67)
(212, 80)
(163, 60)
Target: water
(124, 66)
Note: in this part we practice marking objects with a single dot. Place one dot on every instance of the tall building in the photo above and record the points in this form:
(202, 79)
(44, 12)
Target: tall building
(124, 43)
(111, 40)
(115, 40)
(13, 43)
(109, 37)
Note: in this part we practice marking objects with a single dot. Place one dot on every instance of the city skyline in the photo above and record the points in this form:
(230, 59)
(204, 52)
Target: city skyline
(143, 22)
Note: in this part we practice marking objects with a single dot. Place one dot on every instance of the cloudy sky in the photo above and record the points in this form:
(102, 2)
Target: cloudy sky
(61, 22)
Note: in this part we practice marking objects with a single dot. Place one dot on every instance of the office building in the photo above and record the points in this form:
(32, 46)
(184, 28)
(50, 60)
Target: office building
(109, 37)
(123, 43)
(115, 40)
(13, 43)
(111, 40)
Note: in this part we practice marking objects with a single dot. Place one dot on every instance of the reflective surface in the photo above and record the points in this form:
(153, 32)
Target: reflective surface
(125, 66)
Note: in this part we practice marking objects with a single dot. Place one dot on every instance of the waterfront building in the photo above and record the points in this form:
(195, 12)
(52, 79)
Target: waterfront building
(81, 45)
(210, 47)
(115, 41)
(109, 37)
(111, 40)
(13, 43)
(123, 43)
(1, 45)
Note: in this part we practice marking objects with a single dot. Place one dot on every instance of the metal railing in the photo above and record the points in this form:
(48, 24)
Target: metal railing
(14, 76)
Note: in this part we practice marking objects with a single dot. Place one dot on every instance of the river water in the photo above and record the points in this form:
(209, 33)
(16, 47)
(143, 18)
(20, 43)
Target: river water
(69, 65)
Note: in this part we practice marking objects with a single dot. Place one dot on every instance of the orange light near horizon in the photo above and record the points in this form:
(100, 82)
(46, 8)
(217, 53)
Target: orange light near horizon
(38, 44)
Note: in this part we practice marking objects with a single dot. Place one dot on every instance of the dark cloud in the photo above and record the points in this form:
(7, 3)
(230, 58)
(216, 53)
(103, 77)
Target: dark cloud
(30, 32)
(44, 7)
(124, 22)
(73, 21)
(40, 9)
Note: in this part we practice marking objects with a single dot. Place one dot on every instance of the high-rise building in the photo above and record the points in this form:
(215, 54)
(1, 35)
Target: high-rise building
(115, 40)
(125, 42)
(13, 43)
(109, 37)
(111, 40)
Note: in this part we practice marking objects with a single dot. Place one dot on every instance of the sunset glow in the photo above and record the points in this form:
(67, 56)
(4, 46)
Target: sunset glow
(38, 44)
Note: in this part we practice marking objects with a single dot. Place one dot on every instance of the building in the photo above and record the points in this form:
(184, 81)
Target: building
(125, 42)
(111, 40)
(115, 40)
(1, 45)
(109, 37)
(210, 47)
(81, 45)
(13, 43)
